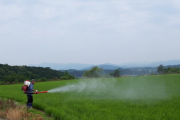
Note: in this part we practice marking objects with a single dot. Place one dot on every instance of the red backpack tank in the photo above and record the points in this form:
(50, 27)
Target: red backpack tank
(26, 85)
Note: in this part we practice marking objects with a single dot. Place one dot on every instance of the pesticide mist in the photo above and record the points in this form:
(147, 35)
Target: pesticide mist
(115, 89)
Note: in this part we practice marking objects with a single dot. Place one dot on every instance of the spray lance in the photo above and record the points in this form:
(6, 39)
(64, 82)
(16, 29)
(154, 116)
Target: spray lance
(26, 85)
(36, 92)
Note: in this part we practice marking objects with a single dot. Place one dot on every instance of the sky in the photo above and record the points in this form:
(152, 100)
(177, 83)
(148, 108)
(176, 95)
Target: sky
(89, 31)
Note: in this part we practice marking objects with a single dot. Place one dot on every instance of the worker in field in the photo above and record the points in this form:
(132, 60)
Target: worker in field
(30, 96)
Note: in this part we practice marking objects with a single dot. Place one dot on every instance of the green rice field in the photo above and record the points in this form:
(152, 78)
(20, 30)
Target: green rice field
(154, 97)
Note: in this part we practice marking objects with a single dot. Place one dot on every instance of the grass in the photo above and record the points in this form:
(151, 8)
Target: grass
(138, 98)
(11, 110)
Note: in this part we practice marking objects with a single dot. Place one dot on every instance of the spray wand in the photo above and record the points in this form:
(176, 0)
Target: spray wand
(26, 85)
(36, 92)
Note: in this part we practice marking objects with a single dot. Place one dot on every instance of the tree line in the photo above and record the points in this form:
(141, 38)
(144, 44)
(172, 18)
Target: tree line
(14, 74)
(97, 72)
(167, 70)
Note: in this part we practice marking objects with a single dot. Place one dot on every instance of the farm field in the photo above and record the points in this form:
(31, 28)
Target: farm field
(138, 98)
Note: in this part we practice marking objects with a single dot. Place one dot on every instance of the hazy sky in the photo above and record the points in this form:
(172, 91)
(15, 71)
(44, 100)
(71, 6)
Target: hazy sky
(89, 31)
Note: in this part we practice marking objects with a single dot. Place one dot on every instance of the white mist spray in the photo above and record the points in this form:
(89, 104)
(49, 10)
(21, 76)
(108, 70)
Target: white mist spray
(88, 85)
(113, 89)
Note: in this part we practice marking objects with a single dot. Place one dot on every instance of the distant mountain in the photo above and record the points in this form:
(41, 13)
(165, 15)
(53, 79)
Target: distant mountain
(107, 66)
(104, 66)
(76, 66)
(153, 64)
(177, 66)
(131, 65)
(165, 63)
(59, 66)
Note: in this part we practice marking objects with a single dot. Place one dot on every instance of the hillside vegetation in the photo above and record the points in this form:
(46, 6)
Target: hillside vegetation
(168, 70)
(15, 74)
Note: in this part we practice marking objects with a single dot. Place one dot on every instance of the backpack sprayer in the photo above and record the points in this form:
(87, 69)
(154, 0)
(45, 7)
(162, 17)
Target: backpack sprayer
(26, 86)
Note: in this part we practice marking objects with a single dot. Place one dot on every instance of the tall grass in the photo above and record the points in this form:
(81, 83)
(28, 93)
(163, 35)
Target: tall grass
(11, 111)
(146, 97)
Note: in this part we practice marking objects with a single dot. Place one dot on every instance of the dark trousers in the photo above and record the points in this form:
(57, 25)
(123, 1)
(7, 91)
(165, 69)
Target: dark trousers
(30, 100)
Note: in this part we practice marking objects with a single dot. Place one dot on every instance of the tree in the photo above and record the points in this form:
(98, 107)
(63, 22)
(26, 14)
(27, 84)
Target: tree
(94, 72)
(171, 70)
(67, 76)
(160, 69)
(115, 73)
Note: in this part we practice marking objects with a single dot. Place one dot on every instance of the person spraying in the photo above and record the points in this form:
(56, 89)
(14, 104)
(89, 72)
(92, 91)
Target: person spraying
(28, 89)
(29, 95)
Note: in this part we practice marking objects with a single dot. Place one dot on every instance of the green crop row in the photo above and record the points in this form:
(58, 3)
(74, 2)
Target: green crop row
(137, 98)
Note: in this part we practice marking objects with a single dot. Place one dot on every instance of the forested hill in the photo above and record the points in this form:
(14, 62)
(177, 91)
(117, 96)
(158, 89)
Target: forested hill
(14, 74)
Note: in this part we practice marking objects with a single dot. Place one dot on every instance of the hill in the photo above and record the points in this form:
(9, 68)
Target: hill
(11, 74)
